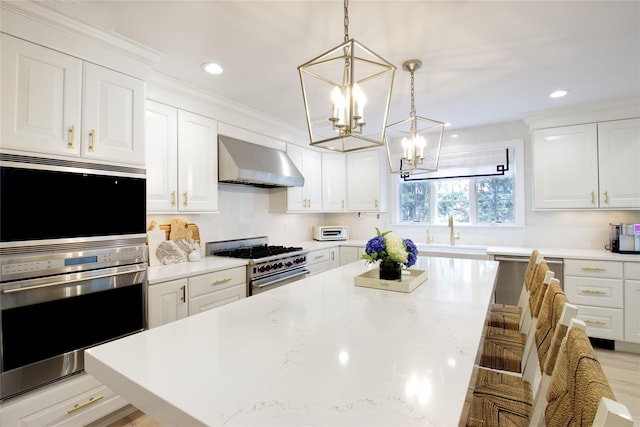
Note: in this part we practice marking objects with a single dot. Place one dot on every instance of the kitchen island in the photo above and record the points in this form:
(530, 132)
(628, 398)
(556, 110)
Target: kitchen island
(319, 351)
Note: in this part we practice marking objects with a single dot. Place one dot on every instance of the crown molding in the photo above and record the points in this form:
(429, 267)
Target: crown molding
(33, 22)
(604, 110)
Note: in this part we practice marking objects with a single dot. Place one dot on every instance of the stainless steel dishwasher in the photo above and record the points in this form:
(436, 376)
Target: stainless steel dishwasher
(511, 276)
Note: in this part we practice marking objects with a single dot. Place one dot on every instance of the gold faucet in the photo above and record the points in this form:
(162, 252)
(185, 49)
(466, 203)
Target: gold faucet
(452, 236)
(429, 238)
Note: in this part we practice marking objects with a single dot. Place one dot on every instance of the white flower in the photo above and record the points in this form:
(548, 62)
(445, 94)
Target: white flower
(395, 248)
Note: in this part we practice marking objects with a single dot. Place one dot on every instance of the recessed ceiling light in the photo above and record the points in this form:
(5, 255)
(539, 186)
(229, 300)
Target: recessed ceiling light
(212, 68)
(558, 94)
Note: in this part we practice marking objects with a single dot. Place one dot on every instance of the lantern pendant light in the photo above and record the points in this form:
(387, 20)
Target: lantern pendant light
(346, 93)
(418, 139)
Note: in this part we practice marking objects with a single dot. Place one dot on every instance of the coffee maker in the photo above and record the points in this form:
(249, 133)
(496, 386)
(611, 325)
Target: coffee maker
(625, 238)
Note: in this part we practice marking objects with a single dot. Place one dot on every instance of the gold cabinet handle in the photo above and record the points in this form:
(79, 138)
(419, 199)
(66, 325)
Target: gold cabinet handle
(590, 292)
(183, 297)
(186, 198)
(82, 405)
(593, 198)
(319, 256)
(92, 135)
(376, 203)
(606, 197)
(595, 323)
(594, 269)
(333, 256)
(72, 131)
(342, 203)
(226, 279)
(173, 198)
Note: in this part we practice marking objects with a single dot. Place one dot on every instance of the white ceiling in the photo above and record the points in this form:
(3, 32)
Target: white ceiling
(483, 61)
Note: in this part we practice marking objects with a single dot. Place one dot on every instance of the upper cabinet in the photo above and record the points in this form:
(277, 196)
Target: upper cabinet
(587, 166)
(56, 104)
(182, 160)
(334, 179)
(301, 199)
(366, 181)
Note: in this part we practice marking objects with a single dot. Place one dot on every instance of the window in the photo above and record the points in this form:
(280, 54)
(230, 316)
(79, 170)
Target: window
(471, 200)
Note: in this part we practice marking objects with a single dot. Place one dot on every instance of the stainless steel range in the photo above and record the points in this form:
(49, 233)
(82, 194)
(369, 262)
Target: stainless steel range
(269, 266)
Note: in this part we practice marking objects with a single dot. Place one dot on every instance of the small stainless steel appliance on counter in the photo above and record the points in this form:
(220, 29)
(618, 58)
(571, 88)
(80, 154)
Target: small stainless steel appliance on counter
(330, 232)
(269, 266)
(625, 238)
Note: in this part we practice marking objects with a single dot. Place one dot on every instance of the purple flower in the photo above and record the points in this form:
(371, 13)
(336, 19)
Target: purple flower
(375, 246)
(412, 252)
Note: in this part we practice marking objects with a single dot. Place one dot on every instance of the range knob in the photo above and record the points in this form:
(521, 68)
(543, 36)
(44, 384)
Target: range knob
(267, 267)
(275, 266)
(261, 269)
(288, 263)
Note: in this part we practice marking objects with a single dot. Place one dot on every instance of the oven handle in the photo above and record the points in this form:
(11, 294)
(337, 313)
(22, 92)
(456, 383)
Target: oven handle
(119, 272)
(302, 273)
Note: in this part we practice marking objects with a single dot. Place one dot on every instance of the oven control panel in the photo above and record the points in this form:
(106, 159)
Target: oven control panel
(36, 265)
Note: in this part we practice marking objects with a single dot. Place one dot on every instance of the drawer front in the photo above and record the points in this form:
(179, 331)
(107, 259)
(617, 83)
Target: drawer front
(216, 281)
(318, 267)
(589, 268)
(606, 323)
(632, 270)
(216, 299)
(594, 292)
(316, 257)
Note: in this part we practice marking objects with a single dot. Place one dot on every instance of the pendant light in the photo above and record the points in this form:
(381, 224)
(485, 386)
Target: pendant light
(346, 93)
(419, 139)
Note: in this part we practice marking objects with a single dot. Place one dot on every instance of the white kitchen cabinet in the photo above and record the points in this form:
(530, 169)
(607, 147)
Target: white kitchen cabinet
(318, 261)
(207, 291)
(619, 163)
(74, 401)
(168, 301)
(334, 257)
(596, 287)
(176, 299)
(334, 182)
(587, 166)
(182, 160)
(307, 198)
(56, 104)
(632, 302)
(349, 254)
(366, 181)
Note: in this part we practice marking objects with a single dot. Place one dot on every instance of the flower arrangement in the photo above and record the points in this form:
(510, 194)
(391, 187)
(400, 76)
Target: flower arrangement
(389, 247)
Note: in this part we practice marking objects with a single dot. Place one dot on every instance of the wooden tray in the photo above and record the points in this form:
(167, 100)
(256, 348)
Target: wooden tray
(409, 280)
(193, 227)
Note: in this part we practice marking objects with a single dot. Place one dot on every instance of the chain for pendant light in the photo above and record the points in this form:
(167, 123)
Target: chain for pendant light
(346, 20)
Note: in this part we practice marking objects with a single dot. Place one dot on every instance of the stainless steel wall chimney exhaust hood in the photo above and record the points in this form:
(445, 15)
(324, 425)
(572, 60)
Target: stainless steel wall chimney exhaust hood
(241, 162)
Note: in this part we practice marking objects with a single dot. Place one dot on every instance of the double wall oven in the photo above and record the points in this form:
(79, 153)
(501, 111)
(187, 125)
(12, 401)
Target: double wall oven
(270, 266)
(72, 264)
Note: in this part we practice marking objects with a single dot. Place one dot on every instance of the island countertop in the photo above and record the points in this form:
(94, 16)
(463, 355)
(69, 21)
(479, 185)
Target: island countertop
(319, 351)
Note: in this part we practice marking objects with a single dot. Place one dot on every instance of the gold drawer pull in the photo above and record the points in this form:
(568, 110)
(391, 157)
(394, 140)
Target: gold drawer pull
(82, 405)
(226, 279)
(186, 198)
(587, 291)
(594, 269)
(173, 198)
(92, 135)
(319, 256)
(595, 323)
(72, 131)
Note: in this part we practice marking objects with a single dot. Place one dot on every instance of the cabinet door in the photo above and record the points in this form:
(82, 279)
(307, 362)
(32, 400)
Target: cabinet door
(565, 167)
(167, 302)
(348, 254)
(334, 182)
(161, 136)
(365, 190)
(632, 311)
(113, 125)
(312, 171)
(41, 99)
(296, 198)
(334, 257)
(197, 163)
(619, 163)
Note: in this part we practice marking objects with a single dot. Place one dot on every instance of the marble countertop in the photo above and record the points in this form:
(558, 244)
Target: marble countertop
(319, 351)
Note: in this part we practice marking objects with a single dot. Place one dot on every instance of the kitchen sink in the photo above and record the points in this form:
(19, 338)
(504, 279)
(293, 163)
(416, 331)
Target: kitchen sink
(456, 251)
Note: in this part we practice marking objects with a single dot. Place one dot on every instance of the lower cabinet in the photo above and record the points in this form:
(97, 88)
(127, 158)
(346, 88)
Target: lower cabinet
(75, 401)
(323, 260)
(597, 288)
(349, 254)
(176, 299)
(632, 302)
